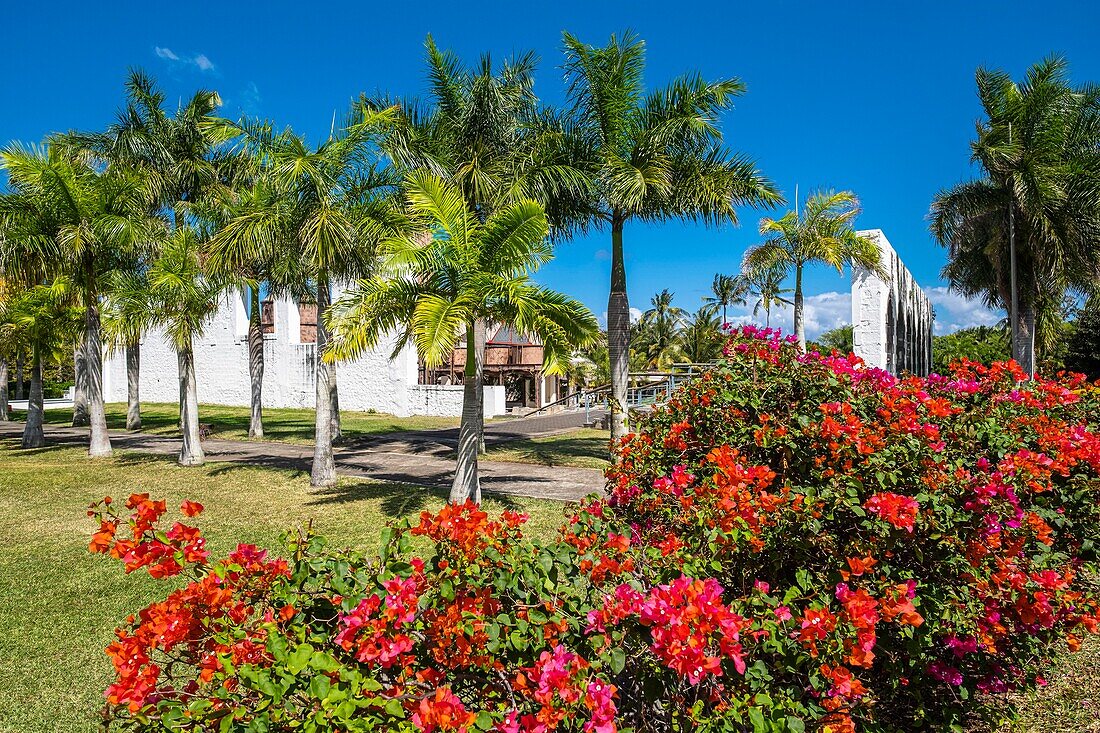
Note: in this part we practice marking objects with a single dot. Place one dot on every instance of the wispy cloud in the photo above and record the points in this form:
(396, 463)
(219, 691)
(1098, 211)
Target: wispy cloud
(200, 61)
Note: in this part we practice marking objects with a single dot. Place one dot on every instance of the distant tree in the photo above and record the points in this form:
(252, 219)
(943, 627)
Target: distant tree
(44, 318)
(835, 339)
(727, 290)
(766, 289)
(982, 344)
(702, 339)
(659, 331)
(1083, 345)
(821, 232)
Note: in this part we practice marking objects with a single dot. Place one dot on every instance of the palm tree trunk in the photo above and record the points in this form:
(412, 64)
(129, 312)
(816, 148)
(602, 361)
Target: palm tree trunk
(324, 462)
(467, 485)
(799, 321)
(1023, 341)
(99, 442)
(20, 385)
(618, 332)
(256, 365)
(80, 385)
(133, 386)
(5, 414)
(481, 338)
(191, 453)
(33, 437)
(334, 400)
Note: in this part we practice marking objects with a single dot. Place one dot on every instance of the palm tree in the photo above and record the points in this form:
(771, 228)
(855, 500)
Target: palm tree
(767, 291)
(42, 317)
(1039, 153)
(129, 312)
(330, 205)
(727, 290)
(702, 339)
(659, 331)
(650, 158)
(177, 154)
(821, 232)
(63, 216)
(435, 291)
(482, 129)
(184, 297)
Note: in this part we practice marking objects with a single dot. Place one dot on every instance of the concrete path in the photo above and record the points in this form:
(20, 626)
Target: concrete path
(392, 459)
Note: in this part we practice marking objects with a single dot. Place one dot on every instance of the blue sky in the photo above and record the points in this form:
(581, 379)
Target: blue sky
(876, 97)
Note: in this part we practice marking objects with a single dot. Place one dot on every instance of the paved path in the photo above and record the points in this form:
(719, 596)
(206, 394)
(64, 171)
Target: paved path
(442, 441)
(393, 459)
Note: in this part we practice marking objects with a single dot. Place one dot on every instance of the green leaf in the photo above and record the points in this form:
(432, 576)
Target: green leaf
(618, 660)
(795, 725)
(299, 658)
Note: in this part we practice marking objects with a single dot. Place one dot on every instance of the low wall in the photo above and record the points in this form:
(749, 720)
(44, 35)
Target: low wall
(446, 400)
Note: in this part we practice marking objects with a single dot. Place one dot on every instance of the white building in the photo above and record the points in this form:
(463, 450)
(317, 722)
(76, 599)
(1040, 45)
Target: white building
(891, 318)
(371, 382)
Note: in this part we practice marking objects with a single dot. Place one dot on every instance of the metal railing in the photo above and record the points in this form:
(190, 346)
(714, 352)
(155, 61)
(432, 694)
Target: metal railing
(644, 389)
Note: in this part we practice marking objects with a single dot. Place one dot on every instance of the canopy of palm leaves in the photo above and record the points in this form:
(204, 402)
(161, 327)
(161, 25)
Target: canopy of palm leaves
(1038, 149)
(482, 129)
(431, 289)
(822, 232)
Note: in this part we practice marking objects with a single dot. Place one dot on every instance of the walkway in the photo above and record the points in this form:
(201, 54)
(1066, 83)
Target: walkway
(406, 458)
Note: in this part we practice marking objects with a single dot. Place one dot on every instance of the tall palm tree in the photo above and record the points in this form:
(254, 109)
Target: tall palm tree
(66, 217)
(701, 338)
(481, 128)
(650, 158)
(184, 296)
(727, 290)
(659, 331)
(767, 291)
(1038, 149)
(435, 291)
(821, 232)
(331, 205)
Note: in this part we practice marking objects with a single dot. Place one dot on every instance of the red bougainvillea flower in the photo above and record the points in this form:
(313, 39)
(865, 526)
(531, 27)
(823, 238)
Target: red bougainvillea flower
(442, 711)
(191, 508)
(898, 510)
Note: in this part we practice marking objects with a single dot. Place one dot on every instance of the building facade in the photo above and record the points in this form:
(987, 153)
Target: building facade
(374, 381)
(891, 317)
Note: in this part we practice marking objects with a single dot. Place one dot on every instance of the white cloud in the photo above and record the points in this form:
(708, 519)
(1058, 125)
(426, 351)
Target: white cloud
(822, 312)
(200, 61)
(955, 311)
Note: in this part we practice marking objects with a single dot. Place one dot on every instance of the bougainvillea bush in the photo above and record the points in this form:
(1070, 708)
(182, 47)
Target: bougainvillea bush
(792, 543)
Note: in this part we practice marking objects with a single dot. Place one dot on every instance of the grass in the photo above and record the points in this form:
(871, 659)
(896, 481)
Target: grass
(286, 424)
(59, 604)
(578, 448)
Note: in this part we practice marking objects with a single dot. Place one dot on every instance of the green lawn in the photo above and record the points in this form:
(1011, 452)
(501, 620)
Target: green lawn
(580, 448)
(292, 425)
(59, 604)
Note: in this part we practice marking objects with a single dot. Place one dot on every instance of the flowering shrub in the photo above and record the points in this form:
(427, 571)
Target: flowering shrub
(792, 543)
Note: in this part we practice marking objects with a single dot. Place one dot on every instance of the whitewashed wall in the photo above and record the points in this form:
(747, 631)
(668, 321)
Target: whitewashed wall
(372, 382)
(891, 318)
